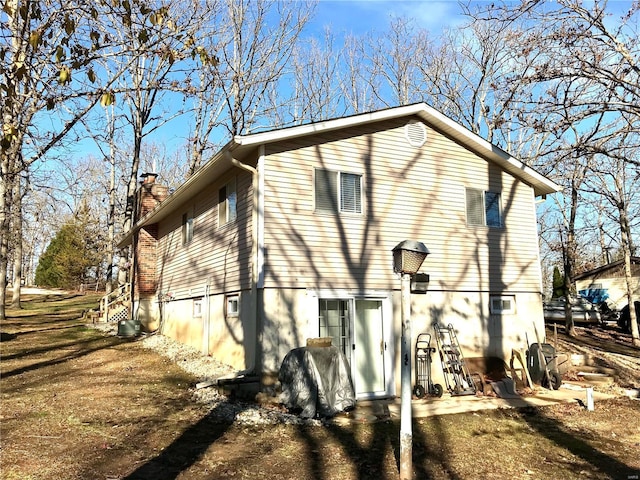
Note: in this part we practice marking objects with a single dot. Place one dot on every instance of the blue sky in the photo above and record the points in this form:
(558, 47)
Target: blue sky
(343, 17)
(357, 17)
(373, 15)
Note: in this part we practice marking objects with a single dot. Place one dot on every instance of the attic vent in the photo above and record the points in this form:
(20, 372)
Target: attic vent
(416, 133)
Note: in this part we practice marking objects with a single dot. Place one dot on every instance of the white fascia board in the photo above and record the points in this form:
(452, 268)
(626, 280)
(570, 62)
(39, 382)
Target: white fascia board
(327, 126)
(431, 116)
(541, 184)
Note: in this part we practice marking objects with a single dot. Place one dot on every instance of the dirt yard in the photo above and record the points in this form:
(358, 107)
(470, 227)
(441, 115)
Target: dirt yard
(79, 404)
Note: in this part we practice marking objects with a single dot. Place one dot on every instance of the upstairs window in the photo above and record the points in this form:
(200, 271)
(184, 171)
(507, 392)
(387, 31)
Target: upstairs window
(187, 228)
(338, 192)
(227, 201)
(483, 208)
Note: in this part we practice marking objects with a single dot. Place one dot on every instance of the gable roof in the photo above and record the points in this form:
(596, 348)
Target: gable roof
(609, 267)
(241, 145)
(433, 118)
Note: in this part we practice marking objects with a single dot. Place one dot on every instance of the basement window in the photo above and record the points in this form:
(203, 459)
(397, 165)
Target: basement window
(197, 307)
(232, 306)
(502, 304)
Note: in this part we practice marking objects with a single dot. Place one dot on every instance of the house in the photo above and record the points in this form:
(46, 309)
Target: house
(287, 235)
(610, 279)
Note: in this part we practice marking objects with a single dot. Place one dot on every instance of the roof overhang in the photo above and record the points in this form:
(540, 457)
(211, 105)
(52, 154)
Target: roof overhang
(604, 268)
(540, 184)
(216, 166)
(241, 145)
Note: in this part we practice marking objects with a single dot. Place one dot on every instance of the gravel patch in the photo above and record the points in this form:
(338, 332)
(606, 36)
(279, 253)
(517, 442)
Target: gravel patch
(208, 369)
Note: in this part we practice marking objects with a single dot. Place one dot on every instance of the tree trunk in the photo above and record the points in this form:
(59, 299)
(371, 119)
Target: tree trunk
(111, 215)
(6, 191)
(569, 264)
(626, 247)
(17, 247)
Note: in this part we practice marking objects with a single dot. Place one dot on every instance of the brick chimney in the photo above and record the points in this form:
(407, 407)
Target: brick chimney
(150, 195)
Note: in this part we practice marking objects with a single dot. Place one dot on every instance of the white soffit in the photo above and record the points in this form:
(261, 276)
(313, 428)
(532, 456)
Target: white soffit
(241, 144)
(433, 118)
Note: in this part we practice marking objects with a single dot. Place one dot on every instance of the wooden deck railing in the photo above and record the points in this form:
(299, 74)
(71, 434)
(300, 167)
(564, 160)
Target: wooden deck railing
(115, 301)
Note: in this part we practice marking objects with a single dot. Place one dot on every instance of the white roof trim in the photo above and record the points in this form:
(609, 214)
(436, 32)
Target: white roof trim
(541, 184)
(328, 125)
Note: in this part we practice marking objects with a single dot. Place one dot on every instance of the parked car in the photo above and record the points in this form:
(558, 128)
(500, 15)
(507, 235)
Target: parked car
(624, 322)
(582, 309)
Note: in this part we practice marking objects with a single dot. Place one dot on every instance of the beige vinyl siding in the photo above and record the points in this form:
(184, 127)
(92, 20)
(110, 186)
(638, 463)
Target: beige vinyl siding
(220, 256)
(408, 193)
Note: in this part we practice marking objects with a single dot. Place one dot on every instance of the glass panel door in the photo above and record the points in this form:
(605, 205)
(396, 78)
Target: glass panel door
(334, 322)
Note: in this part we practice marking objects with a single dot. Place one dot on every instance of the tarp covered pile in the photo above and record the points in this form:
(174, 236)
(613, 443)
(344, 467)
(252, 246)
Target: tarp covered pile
(317, 381)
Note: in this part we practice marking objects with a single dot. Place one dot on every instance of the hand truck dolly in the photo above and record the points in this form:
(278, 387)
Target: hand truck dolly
(424, 384)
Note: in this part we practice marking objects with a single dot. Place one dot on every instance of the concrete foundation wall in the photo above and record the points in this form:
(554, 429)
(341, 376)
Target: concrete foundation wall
(290, 317)
(230, 339)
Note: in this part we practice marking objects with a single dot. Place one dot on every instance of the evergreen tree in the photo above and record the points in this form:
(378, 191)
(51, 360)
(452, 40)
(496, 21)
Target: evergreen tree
(558, 283)
(68, 257)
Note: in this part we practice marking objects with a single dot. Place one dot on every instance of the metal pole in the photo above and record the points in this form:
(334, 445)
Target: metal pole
(406, 438)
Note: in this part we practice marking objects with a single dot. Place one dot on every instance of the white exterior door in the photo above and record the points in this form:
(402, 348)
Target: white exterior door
(370, 348)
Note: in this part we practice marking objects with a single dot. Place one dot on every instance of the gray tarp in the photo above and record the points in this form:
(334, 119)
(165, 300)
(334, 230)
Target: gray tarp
(316, 380)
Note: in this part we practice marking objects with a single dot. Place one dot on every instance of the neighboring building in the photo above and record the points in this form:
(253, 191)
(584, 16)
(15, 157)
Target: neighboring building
(609, 279)
(287, 235)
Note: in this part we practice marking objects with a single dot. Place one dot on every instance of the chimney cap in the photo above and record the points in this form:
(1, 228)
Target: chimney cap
(149, 177)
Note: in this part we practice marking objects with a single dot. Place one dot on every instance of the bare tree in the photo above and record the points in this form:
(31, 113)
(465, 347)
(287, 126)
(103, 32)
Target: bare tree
(254, 53)
(161, 49)
(252, 43)
(48, 49)
(356, 85)
(616, 183)
(583, 72)
(394, 58)
(315, 81)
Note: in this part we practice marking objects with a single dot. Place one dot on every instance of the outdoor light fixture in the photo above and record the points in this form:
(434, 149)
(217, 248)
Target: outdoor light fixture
(419, 283)
(408, 256)
(407, 260)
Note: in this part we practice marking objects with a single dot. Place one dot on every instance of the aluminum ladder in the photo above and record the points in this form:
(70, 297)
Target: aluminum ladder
(456, 374)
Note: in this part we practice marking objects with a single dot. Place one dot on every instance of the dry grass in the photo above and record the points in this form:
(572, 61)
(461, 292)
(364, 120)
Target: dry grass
(77, 404)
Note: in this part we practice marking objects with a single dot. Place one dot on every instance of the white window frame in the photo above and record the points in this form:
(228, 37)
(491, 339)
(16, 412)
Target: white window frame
(187, 227)
(197, 307)
(227, 203)
(342, 341)
(502, 304)
(232, 305)
(478, 209)
(332, 193)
